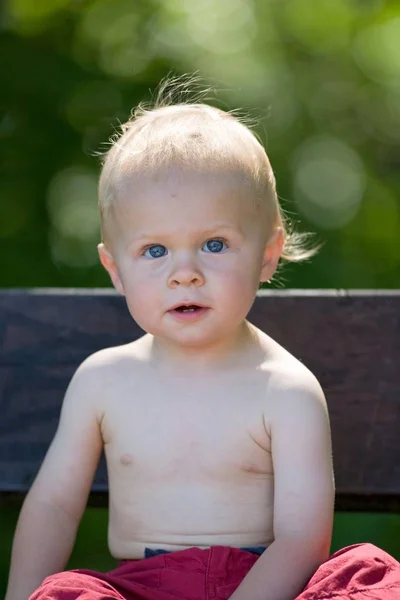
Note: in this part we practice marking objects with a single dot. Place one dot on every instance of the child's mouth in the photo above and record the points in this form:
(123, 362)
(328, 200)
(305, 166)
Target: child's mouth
(190, 308)
(192, 311)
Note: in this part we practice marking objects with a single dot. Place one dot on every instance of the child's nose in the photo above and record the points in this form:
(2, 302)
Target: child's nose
(186, 273)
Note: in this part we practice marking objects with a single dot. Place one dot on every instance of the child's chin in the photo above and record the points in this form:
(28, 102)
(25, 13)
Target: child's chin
(192, 336)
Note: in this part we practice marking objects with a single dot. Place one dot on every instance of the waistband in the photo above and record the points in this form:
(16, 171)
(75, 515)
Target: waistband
(150, 552)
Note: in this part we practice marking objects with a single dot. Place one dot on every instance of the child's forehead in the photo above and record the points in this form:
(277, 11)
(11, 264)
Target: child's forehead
(185, 180)
(187, 203)
(175, 189)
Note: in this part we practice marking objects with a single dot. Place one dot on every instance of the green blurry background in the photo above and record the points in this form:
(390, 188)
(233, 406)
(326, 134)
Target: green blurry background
(321, 76)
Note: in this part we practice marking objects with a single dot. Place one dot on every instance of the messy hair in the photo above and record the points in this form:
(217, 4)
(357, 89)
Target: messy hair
(168, 129)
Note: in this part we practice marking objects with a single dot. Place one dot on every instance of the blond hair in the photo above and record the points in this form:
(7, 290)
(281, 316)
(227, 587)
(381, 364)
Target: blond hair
(179, 128)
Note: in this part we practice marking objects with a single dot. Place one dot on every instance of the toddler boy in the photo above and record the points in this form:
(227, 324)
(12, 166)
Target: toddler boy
(217, 440)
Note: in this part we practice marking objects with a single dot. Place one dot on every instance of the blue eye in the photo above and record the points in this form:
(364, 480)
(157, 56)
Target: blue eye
(156, 251)
(214, 246)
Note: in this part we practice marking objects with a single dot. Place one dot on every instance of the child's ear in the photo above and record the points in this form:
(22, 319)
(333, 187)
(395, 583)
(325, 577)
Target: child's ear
(110, 266)
(272, 254)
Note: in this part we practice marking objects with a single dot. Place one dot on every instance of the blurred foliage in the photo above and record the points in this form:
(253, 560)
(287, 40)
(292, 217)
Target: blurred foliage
(323, 77)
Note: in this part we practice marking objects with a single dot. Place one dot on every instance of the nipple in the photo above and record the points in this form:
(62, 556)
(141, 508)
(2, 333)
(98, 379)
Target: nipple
(126, 459)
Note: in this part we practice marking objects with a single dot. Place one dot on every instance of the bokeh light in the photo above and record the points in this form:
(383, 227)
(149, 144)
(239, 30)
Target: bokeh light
(328, 181)
(376, 50)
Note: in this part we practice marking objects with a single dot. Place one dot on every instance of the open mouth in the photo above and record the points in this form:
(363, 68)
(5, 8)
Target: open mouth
(191, 308)
(188, 311)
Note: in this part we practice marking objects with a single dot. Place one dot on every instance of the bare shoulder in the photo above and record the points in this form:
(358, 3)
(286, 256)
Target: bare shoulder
(292, 387)
(101, 369)
(107, 359)
(89, 383)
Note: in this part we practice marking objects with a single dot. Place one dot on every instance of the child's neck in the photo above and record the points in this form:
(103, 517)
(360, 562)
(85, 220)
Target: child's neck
(226, 354)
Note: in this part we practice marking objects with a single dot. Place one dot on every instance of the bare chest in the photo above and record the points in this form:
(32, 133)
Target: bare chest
(182, 433)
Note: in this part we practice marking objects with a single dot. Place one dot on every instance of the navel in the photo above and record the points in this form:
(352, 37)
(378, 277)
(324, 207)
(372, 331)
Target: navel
(126, 459)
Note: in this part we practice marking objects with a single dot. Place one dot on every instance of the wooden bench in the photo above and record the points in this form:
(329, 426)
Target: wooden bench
(350, 340)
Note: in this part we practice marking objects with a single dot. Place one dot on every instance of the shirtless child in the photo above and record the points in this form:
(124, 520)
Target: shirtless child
(216, 438)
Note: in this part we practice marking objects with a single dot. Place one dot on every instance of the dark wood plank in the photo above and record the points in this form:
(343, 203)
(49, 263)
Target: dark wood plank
(351, 341)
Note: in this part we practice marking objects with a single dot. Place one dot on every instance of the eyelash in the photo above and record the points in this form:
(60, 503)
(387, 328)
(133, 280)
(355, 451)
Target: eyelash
(217, 239)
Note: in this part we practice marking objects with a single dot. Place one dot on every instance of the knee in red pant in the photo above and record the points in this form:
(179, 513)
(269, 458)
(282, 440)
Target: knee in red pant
(71, 585)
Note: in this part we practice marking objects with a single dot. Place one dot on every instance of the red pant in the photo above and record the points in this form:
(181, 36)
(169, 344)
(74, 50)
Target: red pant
(359, 572)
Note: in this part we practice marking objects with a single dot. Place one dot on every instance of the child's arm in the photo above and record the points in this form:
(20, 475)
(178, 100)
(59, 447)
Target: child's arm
(303, 497)
(52, 510)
